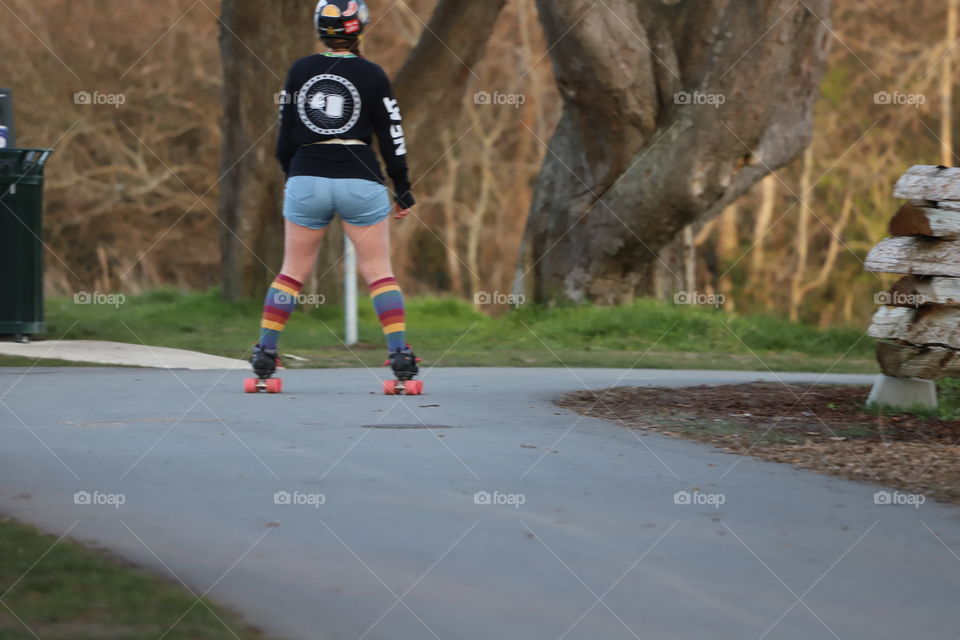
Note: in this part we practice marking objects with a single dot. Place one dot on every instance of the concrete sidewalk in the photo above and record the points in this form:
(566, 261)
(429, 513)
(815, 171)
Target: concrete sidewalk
(119, 353)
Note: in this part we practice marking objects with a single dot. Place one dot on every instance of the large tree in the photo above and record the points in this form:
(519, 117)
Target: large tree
(259, 40)
(644, 146)
(258, 43)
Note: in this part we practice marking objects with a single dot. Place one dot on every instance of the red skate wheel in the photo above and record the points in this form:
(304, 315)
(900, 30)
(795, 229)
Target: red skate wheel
(274, 385)
(390, 387)
(415, 388)
(250, 385)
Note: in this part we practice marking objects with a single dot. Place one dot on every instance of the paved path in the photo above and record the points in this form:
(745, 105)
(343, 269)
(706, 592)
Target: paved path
(399, 550)
(119, 353)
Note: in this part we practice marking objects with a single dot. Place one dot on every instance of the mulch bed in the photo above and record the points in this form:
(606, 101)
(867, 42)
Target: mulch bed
(821, 428)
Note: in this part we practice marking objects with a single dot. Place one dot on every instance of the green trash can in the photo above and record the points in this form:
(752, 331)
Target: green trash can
(21, 243)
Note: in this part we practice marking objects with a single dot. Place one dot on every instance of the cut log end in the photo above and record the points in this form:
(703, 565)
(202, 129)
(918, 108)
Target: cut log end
(916, 255)
(911, 220)
(906, 288)
(910, 361)
(930, 325)
(920, 218)
(929, 183)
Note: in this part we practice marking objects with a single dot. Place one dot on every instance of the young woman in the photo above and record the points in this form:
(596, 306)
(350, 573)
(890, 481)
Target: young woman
(334, 103)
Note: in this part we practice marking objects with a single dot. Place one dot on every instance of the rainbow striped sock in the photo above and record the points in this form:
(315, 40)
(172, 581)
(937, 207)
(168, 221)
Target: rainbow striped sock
(388, 303)
(279, 304)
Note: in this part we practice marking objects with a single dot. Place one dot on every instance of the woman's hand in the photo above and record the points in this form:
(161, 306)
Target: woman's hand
(401, 213)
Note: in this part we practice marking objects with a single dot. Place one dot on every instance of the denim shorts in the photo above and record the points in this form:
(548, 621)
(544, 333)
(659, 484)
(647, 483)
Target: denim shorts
(312, 202)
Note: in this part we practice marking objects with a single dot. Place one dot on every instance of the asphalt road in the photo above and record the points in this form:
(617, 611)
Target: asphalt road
(306, 515)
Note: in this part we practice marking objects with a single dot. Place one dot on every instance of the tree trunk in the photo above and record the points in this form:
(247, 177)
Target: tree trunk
(946, 86)
(644, 146)
(258, 43)
(802, 238)
(728, 246)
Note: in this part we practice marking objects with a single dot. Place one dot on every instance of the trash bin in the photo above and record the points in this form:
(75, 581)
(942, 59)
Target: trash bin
(21, 244)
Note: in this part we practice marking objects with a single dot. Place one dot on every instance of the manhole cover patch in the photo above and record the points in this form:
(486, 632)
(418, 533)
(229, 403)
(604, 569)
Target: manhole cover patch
(407, 426)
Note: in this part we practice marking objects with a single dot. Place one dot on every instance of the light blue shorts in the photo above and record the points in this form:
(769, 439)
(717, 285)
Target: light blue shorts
(312, 202)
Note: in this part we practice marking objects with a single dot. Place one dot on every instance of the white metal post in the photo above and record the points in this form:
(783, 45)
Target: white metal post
(350, 292)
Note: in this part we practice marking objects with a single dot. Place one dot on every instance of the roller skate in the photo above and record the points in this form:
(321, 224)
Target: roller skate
(405, 368)
(264, 362)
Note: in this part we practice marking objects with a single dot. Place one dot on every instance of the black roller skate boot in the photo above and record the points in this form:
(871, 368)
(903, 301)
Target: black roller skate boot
(264, 362)
(405, 368)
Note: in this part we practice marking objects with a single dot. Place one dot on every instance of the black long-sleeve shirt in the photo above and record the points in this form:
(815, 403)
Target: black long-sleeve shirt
(349, 98)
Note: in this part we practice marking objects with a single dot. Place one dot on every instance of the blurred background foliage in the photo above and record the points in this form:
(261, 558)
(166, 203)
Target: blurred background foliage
(132, 191)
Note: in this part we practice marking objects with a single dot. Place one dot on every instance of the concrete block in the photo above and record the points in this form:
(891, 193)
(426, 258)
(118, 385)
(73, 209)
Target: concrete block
(903, 393)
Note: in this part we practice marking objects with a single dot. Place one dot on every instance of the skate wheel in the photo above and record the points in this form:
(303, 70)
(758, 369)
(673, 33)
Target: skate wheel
(415, 388)
(274, 385)
(250, 385)
(390, 387)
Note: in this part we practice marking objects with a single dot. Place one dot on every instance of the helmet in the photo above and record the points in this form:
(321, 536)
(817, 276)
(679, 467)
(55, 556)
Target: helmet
(341, 18)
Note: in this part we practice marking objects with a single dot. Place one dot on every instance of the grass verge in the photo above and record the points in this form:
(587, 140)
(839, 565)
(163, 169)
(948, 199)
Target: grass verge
(63, 591)
(450, 332)
(16, 361)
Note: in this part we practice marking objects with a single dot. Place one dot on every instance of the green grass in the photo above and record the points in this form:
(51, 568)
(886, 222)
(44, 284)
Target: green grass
(450, 332)
(72, 593)
(18, 361)
(949, 395)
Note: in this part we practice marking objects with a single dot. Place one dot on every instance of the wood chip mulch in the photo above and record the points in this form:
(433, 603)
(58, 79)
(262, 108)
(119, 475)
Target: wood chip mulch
(823, 428)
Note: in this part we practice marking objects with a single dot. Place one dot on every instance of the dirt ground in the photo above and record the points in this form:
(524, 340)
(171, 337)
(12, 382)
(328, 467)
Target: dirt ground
(822, 428)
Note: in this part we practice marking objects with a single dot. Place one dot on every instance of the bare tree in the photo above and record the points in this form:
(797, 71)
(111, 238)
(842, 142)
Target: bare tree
(672, 109)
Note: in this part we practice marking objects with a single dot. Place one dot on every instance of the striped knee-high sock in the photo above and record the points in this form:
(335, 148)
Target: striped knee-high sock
(277, 307)
(388, 303)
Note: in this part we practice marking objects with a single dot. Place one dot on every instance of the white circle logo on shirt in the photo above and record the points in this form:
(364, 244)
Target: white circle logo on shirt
(329, 104)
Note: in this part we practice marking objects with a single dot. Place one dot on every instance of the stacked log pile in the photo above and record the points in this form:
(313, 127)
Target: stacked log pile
(918, 326)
